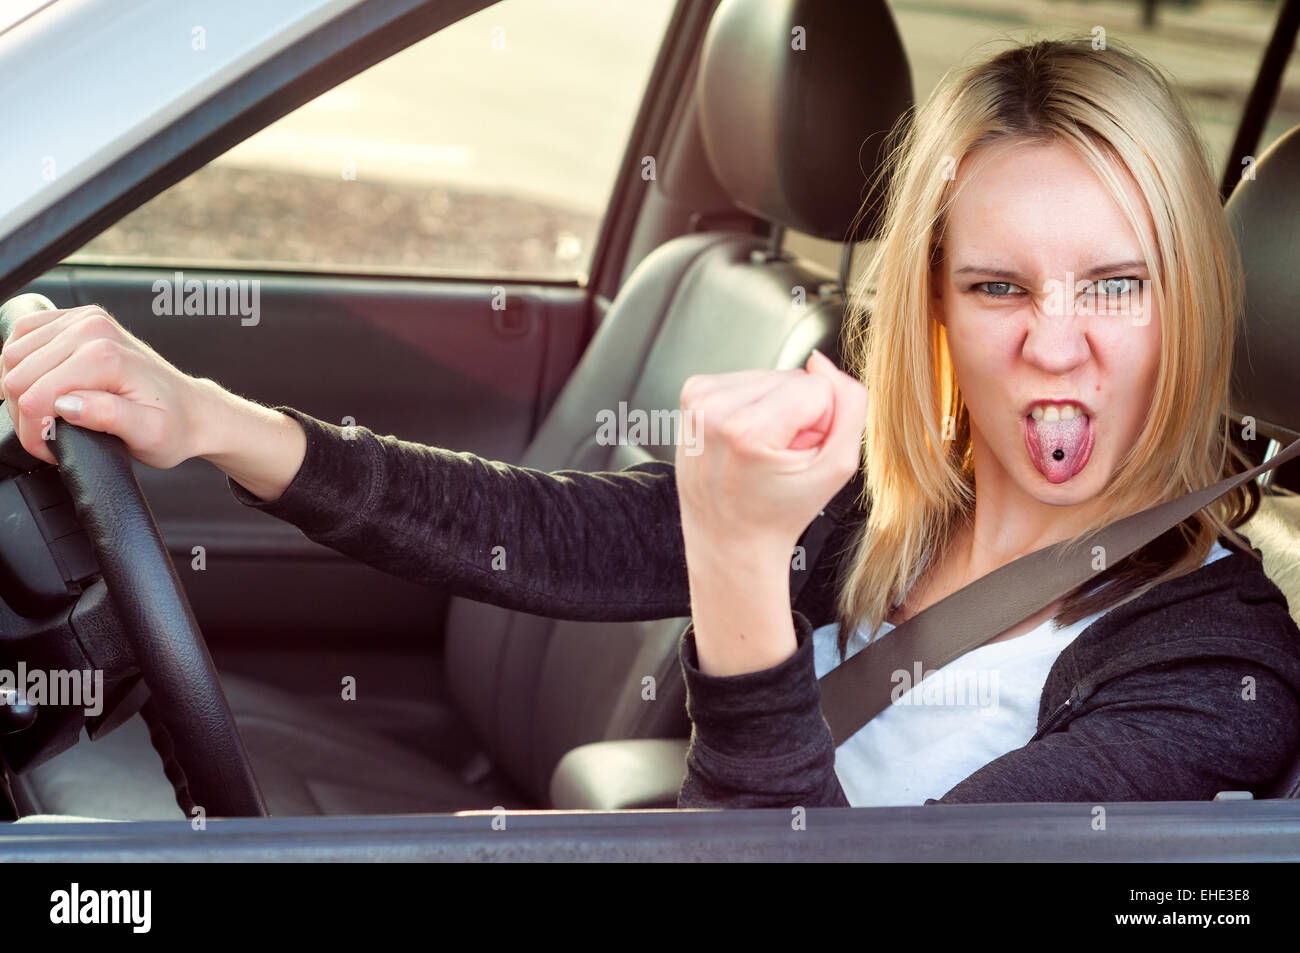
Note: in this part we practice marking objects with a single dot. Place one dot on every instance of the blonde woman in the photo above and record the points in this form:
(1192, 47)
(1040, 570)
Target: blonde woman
(1046, 336)
(1041, 345)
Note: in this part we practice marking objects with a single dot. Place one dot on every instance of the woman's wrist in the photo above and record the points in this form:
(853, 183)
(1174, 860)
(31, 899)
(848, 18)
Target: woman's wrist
(740, 606)
(259, 448)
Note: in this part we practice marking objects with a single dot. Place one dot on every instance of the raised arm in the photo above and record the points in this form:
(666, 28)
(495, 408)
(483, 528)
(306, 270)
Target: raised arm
(775, 446)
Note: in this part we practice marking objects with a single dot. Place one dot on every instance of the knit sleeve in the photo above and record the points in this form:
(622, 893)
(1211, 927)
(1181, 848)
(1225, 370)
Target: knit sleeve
(758, 739)
(565, 544)
(1178, 731)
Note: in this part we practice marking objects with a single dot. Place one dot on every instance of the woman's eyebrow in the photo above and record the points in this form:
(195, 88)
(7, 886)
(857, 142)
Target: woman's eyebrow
(992, 272)
(1111, 268)
(1096, 271)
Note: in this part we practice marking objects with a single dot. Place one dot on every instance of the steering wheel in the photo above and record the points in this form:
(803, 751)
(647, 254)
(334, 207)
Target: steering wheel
(190, 721)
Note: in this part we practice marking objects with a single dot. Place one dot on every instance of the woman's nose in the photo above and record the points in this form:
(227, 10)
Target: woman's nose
(1056, 342)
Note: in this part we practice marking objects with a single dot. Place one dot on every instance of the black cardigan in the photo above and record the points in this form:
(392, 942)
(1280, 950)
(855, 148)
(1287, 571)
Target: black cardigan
(1188, 690)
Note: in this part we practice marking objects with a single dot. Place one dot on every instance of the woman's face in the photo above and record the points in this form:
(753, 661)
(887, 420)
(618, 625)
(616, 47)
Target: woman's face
(1050, 321)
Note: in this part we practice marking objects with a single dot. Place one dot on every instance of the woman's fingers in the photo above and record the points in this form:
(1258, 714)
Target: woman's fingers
(42, 341)
(814, 435)
(701, 386)
(843, 444)
(719, 396)
(775, 408)
(110, 413)
(96, 366)
(18, 347)
(35, 319)
(800, 404)
(59, 340)
(86, 368)
(777, 446)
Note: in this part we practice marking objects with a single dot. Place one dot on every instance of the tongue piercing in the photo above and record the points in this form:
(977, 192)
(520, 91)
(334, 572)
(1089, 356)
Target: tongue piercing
(1058, 454)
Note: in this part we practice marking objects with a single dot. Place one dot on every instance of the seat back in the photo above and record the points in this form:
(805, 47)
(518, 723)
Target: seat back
(1264, 212)
(784, 125)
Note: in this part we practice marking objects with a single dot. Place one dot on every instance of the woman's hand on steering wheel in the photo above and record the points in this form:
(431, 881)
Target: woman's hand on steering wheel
(82, 365)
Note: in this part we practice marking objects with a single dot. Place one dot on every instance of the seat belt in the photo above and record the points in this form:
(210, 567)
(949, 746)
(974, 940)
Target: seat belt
(859, 688)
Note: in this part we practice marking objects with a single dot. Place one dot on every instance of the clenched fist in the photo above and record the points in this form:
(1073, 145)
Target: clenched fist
(773, 447)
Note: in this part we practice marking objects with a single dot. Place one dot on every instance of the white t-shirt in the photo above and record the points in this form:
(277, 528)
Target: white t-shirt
(956, 720)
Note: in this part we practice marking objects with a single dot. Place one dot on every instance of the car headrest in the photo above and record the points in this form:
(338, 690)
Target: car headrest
(795, 98)
(1264, 212)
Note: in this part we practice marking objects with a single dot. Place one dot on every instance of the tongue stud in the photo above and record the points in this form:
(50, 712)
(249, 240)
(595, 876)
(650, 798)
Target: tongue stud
(1058, 448)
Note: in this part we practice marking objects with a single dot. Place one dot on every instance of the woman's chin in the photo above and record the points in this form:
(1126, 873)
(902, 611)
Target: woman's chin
(1078, 489)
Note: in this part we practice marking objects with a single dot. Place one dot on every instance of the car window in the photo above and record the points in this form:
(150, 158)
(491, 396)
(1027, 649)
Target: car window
(1211, 49)
(489, 149)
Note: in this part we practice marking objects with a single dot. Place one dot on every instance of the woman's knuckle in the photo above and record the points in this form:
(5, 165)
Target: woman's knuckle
(103, 350)
(14, 384)
(736, 430)
(154, 441)
(103, 413)
(28, 403)
(25, 323)
(690, 390)
(97, 322)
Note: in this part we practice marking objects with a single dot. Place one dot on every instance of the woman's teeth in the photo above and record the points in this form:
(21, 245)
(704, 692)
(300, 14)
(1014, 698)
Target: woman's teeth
(1053, 412)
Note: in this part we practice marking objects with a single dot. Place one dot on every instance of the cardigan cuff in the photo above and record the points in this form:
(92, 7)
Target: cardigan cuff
(334, 485)
(771, 713)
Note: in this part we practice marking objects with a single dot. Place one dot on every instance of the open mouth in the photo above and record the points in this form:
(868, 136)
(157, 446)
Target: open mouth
(1059, 438)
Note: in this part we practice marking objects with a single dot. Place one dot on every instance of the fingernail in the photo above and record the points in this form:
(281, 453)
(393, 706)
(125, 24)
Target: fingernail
(827, 360)
(69, 406)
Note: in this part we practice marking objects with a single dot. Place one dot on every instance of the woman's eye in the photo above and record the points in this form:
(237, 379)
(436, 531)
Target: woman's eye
(1113, 287)
(996, 289)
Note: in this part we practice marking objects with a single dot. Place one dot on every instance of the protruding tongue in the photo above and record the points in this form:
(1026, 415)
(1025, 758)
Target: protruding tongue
(1046, 438)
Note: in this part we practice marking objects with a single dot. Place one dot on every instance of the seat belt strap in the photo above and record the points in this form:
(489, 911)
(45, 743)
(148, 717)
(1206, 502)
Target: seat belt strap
(814, 539)
(860, 687)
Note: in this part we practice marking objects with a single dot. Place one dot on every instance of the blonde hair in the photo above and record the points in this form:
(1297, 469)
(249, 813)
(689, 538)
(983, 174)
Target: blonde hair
(1112, 107)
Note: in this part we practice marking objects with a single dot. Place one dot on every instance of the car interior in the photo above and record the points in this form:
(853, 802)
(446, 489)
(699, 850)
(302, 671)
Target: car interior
(473, 706)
